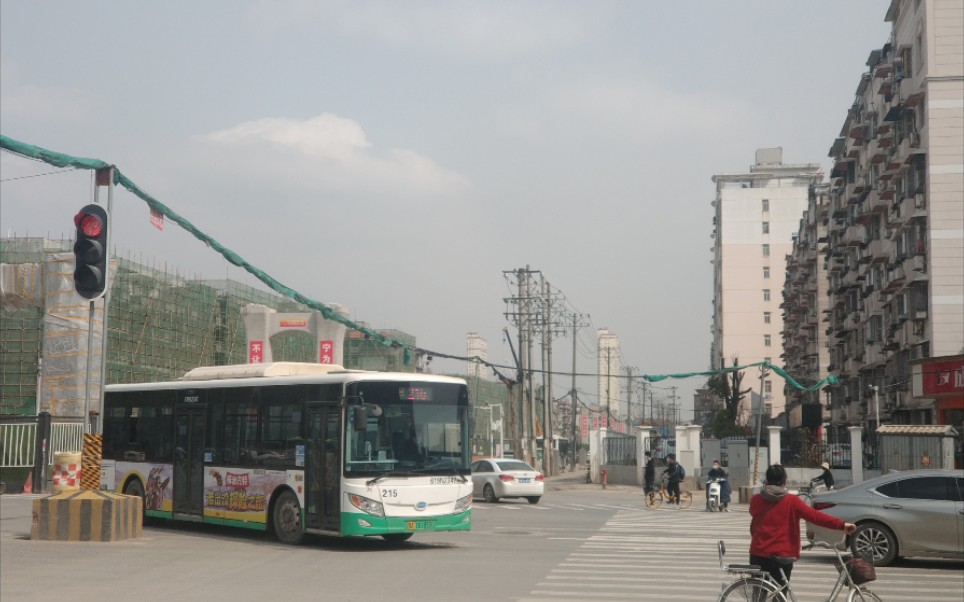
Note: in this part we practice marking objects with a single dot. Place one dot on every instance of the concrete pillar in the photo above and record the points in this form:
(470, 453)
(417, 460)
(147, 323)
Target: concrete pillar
(688, 450)
(856, 454)
(257, 325)
(644, 434)
(774, 445)
(597, 453)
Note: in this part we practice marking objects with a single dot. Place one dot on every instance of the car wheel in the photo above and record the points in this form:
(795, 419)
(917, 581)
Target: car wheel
(533, 499)
(874, 539)
(488, 493)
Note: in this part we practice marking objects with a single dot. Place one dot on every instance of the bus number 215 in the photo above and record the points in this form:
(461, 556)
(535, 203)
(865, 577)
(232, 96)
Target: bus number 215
(389, 492)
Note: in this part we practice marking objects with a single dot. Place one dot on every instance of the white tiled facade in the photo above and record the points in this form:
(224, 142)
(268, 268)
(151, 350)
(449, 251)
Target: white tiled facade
(757, 215)
(609, 368)
(478, 347)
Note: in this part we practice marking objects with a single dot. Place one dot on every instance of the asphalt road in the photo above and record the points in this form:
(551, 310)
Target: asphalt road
(578, 543)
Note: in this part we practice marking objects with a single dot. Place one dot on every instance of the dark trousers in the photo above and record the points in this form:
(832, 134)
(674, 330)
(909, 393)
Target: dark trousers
(773, 567)
(673, 489)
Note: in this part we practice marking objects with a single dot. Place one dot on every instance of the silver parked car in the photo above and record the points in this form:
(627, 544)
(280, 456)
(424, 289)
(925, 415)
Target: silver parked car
(913, 513)
(494, 478)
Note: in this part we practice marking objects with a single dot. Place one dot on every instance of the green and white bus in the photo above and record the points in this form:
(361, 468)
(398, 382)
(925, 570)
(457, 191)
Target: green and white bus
(295, 448)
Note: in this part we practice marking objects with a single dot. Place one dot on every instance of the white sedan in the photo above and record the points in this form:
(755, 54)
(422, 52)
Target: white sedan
(494, 478)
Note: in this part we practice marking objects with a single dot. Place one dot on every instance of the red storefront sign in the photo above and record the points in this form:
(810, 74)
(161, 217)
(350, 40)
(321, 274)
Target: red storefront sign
(943, 378)
(256, 352)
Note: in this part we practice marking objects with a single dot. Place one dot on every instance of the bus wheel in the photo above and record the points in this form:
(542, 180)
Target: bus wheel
(397, 537)
(286, 519)
(135, 488)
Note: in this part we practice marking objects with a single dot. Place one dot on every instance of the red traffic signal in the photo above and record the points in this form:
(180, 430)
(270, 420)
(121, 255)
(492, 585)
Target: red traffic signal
(90, 252)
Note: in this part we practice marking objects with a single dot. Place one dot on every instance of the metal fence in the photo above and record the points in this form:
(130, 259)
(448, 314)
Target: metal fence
(620, 450)
(18, 441)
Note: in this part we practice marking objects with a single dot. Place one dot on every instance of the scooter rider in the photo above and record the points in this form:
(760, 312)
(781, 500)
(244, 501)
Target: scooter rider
(717, 472)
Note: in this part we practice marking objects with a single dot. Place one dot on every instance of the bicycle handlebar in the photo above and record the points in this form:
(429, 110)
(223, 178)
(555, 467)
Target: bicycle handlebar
(840, 545)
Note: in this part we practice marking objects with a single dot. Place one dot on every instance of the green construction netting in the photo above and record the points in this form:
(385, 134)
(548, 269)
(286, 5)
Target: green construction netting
(62, 160)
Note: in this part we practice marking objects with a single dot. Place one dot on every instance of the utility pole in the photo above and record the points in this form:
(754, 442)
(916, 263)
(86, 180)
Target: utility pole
(759, 422)
(629, 399)
(576, 324)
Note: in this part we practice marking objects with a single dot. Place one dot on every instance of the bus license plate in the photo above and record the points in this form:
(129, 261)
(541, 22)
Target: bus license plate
(420, 525)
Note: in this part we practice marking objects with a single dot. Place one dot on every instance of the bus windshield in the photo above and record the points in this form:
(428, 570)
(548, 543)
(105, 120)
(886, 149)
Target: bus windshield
(407, 427)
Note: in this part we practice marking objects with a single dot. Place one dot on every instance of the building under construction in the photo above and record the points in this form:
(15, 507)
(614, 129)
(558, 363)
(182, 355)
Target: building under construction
(160, 325)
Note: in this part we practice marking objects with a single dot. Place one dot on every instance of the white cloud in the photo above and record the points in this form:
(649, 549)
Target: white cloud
(487, 29)
(329, 152)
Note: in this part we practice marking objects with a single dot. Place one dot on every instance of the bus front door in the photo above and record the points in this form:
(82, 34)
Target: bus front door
(323, 470)
(189, 460)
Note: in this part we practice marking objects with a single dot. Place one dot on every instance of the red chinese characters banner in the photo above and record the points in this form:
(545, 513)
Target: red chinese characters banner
(326, 352)
(256, 352)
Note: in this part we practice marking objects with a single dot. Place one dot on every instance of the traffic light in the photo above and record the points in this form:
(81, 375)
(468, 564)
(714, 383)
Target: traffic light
(90, 252)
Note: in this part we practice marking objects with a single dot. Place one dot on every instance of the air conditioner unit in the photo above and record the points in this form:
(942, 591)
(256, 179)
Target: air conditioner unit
(914, 139)
(919, 201)
(919, 263)
(920, 314)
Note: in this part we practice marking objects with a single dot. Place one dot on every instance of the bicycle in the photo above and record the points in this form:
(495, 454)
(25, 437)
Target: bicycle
(655, 497)
(805, 492)
(756, 585)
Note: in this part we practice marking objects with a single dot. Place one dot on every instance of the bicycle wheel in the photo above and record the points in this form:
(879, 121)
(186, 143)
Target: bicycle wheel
(751, 589)
(685, 499)
(863, 595)
(654, 499)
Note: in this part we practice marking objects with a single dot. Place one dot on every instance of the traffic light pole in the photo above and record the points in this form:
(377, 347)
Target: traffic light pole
(104, 177)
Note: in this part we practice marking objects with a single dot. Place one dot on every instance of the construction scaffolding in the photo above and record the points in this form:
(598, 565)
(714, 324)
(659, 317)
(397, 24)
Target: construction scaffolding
(160, 325)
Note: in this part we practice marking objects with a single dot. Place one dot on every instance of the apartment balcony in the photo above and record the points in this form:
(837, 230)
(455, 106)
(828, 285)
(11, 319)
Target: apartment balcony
(896, 278)
(879, 250)
(855, 235)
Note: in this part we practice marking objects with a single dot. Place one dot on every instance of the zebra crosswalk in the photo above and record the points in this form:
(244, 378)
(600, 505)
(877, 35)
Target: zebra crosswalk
(672, 555)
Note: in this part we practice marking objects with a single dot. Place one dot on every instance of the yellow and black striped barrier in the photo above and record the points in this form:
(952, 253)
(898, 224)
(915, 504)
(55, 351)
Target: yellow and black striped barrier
(87, 515)
(90, 462)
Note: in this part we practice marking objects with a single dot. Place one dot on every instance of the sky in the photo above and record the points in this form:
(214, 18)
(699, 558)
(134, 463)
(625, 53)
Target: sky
(398, 157)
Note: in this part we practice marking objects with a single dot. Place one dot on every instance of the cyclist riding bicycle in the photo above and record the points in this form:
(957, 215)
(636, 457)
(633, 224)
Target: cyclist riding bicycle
(775, 525)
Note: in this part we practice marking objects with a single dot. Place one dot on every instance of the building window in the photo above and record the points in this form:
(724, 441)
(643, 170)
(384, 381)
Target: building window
(766, 227)
(766, 294)
(766, 250)
(767, 386)
(766, 317)
(766, 340)
(766, 271)
(766, 205)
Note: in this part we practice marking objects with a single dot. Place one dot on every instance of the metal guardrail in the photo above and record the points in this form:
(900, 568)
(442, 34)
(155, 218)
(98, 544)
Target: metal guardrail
(18, 442)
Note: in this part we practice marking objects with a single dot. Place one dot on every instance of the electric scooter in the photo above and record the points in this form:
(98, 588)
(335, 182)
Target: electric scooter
(714, 494)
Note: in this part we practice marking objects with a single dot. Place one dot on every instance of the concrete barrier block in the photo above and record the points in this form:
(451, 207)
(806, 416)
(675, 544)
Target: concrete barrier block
(87, 515)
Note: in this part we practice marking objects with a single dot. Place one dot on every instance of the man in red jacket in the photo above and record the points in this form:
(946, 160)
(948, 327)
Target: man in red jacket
(775, 528)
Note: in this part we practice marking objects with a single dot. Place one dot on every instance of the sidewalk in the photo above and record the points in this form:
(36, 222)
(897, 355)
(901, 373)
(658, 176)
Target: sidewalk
(576, 481)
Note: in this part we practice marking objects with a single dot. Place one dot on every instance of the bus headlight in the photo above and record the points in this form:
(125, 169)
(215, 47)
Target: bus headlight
(463, 504)
(366, 505)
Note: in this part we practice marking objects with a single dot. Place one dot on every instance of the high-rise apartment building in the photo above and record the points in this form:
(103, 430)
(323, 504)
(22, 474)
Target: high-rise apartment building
(804, 309)
(608, 369)
(476, 346)
(895, 250)
(757, 215)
